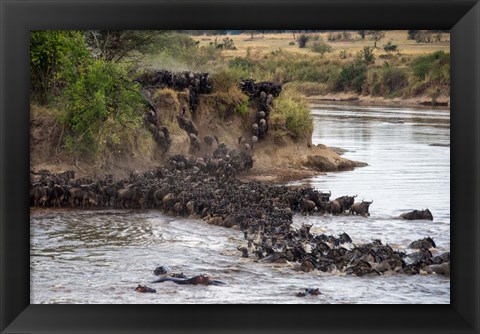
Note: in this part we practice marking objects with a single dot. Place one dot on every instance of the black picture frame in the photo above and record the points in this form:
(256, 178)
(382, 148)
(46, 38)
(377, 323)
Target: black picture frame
(18, 17)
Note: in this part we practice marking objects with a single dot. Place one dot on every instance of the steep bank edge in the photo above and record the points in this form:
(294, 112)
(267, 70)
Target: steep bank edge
(272, 162)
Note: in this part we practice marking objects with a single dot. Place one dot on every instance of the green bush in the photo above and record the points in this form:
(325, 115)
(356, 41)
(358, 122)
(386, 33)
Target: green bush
(365, 55)
(242, 65)
(53, 54)
(389, 47)
(436, 65)
(98, 98)
(393, 80)
(321, 47)
(291, 117)
(225, 80)
(241, 108)
(351, 77)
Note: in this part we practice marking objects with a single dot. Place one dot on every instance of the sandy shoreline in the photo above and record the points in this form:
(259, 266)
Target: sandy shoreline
(419, 101)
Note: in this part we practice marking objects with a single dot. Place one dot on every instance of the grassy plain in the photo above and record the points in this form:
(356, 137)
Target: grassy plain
(266, 43)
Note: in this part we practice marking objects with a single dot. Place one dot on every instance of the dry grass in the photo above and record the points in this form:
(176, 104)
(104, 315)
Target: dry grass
(266, 43)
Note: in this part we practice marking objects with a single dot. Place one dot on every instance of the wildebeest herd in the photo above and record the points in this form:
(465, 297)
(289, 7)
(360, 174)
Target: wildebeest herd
(196, 83)
(207, 188)
(262, 93)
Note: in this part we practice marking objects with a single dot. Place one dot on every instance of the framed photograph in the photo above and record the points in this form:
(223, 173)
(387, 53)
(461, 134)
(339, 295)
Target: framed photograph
(340, 165)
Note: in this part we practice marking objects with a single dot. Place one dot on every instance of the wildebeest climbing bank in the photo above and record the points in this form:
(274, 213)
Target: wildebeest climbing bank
(202, 160)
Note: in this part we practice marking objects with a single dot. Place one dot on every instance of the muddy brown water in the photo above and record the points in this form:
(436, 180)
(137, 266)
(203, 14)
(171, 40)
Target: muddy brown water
(100, 256)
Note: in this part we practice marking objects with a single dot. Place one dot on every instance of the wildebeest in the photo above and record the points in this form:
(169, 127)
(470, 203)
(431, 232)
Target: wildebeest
(194, 142)
(255, 129)
(208, 140)
(59, 194)
(417, 215)
(423, 243)
(168, 201)
(187, 125)
(361, 208)
(130, 196)
(345, 202)
(307, 206)
(39, 194)
(254, 141)
(333, 207)
(82, 194)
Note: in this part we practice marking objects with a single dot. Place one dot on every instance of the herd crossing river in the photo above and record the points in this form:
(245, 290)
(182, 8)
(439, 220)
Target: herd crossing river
(100, 256)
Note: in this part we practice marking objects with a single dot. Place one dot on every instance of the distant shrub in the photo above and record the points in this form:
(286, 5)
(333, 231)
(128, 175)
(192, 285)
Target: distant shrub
(225, 80)
(226, 44)
(351, 77)
(389, 47)
(393, 80)
(436, 65)
(302, 41)
(412, 34)
(321, 47)
(291, 43)
(422, 36)
(243, 65)
(334, 37)
(366, 55)
(200, 58)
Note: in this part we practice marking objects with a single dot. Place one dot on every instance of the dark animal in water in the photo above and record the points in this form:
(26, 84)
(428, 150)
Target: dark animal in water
(309, 292)
(361, 208)
(307, 206)
(144, 288)
(441, 269)
(423, 243)
(195, 280)
(417, 215)
(162, 270)
(345, 202)
(333, 207)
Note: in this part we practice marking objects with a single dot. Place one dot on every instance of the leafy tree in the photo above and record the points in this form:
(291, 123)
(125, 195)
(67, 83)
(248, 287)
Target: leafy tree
(51, 53)
(376, 35)
(412, 34)
(98, 98)
(302, 41)
(100, 101)
(115, 45)
(351, 77)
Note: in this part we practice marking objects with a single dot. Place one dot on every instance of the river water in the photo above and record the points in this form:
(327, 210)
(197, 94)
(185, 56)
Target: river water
(101, 256)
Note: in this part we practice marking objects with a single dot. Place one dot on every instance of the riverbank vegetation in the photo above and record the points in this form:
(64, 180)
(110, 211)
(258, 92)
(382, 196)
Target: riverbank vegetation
(389, 64)
(88, 77)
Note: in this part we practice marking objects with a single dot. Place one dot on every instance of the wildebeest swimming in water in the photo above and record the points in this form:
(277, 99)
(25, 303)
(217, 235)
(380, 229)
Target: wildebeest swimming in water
(417, 215)
(195, 280)
(361, 208)
(309, 292)
(425, 243)
(144, 289)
